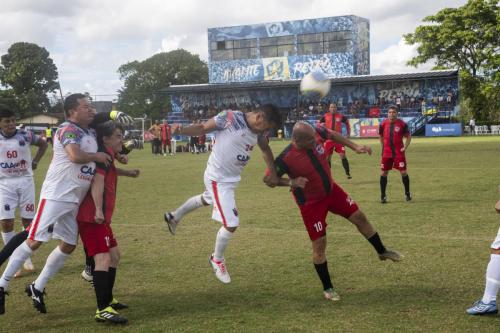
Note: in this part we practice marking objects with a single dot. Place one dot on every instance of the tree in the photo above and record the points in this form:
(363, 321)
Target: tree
(467, 38)
(143, 81)
(30, 74)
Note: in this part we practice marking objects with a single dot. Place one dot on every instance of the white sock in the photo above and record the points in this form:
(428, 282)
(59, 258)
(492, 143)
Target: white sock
(492, 279)
(16, 260)
(221, 241)
(188, 206)
(54, 263)
(7, 236)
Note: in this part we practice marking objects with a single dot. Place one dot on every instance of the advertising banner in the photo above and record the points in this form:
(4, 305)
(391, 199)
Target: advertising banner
(368, 131)
(454, 129)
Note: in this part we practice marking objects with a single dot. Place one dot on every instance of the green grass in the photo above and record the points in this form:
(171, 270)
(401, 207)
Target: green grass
(444, 233)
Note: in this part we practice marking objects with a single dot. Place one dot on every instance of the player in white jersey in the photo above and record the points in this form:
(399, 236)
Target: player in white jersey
(17, 188)
(67, 181)
(236, 134)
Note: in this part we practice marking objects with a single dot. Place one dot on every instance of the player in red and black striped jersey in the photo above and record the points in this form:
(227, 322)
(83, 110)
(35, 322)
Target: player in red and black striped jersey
(391, 132)
(316, 194)
(336, 122)
(94, 223)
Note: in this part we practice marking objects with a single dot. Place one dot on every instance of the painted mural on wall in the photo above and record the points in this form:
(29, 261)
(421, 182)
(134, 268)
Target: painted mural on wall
(337, 23)
(362, 47)
(344, 95)
(281, 68)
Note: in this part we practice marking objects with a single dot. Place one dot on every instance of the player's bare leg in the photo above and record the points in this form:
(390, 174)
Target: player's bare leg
(321, 266)
(366, 229)
(174, 218)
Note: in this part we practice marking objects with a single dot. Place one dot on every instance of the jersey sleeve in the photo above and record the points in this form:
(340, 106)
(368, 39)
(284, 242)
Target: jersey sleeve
(101, 168)
(223, 119)
(406, 131)
(281, 167)
(322, 132)
(69, 135)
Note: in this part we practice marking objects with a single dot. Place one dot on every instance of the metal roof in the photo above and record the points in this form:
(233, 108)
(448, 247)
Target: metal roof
(207, 87)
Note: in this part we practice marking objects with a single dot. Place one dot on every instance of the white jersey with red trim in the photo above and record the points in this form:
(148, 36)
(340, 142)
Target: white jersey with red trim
(15, 154)
(67, 181)
(234, 142)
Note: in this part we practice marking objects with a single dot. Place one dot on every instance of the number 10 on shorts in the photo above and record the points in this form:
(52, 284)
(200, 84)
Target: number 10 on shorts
(318, 226)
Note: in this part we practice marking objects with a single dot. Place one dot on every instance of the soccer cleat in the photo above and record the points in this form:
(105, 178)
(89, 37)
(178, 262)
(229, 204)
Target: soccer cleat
(109, 315)
(2, 300)
(87, 274)
(391, 255)
(117, 305)
(480, 308)
(37, 297)
(349, 176)
(171, 222)
(383, 199)
(220, 269)
(408, 196)
(331, 295)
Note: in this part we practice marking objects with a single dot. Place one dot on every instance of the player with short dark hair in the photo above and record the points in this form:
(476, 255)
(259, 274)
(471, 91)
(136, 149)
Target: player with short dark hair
(316, 194)
(336, 122)
(236, 134)
(17, 187)
(94, 223)
(392, 131)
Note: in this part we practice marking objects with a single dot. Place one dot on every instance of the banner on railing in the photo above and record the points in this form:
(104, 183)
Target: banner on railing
(454, 129)
(368, 131)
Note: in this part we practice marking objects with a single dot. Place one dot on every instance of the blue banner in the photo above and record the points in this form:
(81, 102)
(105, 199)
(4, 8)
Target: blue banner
(443, 129)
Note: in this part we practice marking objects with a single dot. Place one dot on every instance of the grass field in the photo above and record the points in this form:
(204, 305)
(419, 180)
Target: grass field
(444, 233)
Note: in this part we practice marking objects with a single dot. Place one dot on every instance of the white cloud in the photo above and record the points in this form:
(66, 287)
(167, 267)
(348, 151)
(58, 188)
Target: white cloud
(90, 39)
(393, 60)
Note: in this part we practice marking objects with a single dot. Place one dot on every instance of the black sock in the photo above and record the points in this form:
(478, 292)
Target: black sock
(89, 261)
(383, 185)
(324, 275)
(101, 289)
(345, 164)
(406, 183)
(377, 243)
(15, 241)
(111, 283)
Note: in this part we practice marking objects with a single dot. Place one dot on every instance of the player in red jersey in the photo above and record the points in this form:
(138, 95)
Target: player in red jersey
(316, 194)
(336, 122)
(392, 131)
(94, 223)
(166, 138)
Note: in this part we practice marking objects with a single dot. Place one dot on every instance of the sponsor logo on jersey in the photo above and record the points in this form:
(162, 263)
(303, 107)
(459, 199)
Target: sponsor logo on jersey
(243, 158)
(22, 143)
(14, 165)
(6, 207)
(86, 173)
(320, 149)
(397, 129)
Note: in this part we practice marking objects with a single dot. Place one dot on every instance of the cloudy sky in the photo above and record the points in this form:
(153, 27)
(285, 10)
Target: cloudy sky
(90, 39)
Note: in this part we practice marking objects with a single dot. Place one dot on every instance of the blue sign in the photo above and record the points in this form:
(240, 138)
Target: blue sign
(443, 129)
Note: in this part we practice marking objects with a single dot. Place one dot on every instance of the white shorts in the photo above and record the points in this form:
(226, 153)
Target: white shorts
(17, 192)
(55, 219)
(496, 243)
(221, 197)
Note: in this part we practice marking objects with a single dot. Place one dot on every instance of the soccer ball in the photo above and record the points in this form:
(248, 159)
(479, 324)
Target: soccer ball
(315, 83)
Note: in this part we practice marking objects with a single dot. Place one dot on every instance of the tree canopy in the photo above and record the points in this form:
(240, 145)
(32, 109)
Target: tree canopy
(144, 79)
(29, 74)
(467, 38)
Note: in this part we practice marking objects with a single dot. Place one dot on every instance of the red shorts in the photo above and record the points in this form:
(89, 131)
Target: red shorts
(398, 163)
(165, 142)
(331, 146)
(314, 212)
(97, 238)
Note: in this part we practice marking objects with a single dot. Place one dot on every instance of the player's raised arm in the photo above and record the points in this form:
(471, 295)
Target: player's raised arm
(268, 156)
(196, 129)
(337, 137)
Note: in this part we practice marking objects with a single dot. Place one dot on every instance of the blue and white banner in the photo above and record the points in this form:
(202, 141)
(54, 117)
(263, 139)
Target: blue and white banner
(454, 129)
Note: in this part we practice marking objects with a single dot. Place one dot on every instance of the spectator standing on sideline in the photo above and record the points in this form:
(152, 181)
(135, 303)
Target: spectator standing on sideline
(156, 143)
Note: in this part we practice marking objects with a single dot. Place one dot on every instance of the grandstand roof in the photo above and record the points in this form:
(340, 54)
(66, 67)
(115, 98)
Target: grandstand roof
(207, 87)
